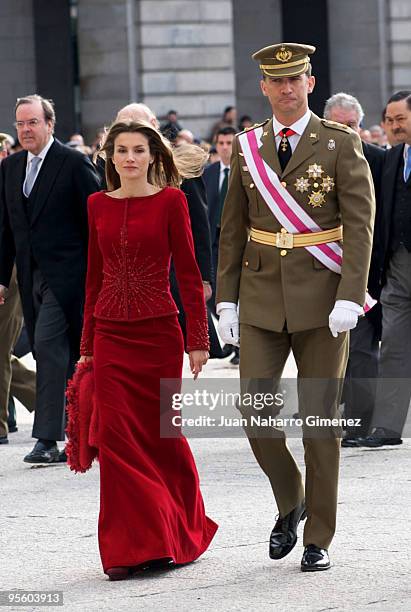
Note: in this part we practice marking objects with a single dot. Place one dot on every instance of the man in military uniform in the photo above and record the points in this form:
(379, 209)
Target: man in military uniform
(288, 298)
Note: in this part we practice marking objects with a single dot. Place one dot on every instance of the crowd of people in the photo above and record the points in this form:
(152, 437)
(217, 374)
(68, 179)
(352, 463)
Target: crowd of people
(87, 234)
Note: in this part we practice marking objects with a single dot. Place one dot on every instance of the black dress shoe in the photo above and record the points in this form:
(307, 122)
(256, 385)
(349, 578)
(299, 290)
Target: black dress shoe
(43, 453)
(315, 559)
(4, 440)
(381, 437)
(62, 457)
(349, 442)
(283, 537)
(13, 429)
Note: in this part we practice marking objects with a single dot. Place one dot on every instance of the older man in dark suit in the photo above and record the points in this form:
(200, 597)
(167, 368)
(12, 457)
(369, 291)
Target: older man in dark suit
(43, 228)
(393, 234)
(362, 369)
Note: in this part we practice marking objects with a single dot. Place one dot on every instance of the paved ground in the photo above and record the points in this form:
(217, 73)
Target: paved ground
(48, 539)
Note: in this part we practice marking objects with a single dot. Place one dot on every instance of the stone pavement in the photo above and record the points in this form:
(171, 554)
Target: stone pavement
(48, 522)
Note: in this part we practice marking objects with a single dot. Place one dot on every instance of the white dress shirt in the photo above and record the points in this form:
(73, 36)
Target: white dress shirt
(221, 179)
(298, 127)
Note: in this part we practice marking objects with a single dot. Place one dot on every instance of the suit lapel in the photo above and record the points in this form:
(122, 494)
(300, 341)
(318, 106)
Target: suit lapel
(392, 163)
(268, 149)
(46, 178)
(21, 165)
(216, 181)
(304, 149)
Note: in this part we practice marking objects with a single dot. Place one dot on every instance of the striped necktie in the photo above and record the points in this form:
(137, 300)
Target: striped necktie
(31, 176)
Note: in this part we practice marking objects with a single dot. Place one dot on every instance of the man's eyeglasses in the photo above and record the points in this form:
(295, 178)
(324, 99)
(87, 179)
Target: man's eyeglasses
(32, 123)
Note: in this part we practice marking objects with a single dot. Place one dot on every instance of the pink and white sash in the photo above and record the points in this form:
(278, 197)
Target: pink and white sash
(285, 208)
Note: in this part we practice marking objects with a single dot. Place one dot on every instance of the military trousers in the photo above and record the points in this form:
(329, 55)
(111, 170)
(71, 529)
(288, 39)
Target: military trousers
(321, 361)
(11, 321)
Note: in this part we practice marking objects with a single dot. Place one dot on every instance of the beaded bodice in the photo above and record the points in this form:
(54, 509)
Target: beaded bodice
(130, 246)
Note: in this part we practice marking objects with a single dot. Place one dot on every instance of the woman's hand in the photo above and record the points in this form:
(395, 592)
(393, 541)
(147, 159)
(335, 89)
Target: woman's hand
(85, 359)
(197, 360)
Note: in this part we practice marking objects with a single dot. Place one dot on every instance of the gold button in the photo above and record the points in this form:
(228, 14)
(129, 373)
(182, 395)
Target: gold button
(246, 263)
(316, 185)
(283, 230)
(283, 183)
(251, 185)
(283, 253)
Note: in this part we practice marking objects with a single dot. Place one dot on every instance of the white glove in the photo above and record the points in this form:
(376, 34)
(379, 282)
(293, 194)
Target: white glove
(228, 326)
(344, 316)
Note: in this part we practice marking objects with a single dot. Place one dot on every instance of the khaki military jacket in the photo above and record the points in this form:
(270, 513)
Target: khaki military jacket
(296, 289)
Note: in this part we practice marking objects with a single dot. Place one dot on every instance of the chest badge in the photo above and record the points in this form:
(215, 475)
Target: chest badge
(313, 181)
(316, 199)
(302, 184)
(315, 171)
(331, 144)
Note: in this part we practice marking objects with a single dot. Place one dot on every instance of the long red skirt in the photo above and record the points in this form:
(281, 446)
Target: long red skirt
(150, 501)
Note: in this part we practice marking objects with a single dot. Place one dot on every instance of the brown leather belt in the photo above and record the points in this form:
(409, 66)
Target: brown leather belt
(284, 240)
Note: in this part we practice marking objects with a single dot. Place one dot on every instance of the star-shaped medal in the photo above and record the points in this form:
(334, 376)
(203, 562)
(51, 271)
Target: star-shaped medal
(316, 199)
(327, 184)
(302, 184)
(314, 171)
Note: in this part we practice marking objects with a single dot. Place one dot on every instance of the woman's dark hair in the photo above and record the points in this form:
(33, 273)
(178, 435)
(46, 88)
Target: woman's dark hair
(162, 172)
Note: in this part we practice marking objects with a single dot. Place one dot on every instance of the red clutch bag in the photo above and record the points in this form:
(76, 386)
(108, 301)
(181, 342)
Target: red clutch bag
(82, 421)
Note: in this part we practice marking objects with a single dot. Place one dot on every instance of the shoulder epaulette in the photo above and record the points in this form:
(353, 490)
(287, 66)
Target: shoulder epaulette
(253, 127)
(335, 126)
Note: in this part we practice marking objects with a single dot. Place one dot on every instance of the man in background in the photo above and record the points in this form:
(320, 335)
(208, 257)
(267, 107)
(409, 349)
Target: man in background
(216, 178)
(362, 368)
(393, 237)
(43, 229)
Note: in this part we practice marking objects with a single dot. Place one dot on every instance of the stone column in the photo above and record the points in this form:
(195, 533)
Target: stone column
(17, 57)
(400, 44)
(186, 59)
(357, 40)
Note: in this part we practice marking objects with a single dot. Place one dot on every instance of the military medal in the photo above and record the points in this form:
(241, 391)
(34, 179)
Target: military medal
(327, 184)
(315, 171)
(284, 143)
(302, 184)
(316, 199)
(331, 144)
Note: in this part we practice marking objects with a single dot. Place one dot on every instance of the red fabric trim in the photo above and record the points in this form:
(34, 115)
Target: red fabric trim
(82, 423)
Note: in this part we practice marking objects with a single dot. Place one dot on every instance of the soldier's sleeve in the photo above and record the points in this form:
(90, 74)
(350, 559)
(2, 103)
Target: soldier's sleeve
(234, 233)
(356, 201)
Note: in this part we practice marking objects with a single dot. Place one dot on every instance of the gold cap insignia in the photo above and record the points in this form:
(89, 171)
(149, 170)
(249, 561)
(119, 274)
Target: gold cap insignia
(284, 55)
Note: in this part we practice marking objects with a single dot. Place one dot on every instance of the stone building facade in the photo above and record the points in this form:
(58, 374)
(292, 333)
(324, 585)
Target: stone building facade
(94, 56)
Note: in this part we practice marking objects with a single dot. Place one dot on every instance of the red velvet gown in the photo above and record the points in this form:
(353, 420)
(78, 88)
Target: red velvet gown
(150, 501)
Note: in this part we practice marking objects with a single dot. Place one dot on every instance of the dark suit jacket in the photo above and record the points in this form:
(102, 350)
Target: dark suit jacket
(393, 159)
(375, 157)
(50, 229)
(194, 191)
(212, 180)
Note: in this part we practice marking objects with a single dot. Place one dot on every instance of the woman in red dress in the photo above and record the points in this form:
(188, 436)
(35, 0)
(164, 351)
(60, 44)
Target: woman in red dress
(151, 508)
